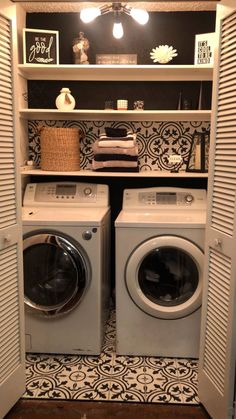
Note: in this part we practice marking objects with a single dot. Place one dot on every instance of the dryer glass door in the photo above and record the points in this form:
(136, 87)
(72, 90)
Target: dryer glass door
(164, 277)
(168, 276)
(55, 273)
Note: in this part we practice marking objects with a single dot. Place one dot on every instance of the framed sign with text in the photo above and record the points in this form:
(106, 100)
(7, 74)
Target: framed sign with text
(40, 46)
(204, 49)
(117, 59)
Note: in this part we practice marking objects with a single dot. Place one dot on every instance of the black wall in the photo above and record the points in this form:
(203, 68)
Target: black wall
(177, 29)
(172, 28)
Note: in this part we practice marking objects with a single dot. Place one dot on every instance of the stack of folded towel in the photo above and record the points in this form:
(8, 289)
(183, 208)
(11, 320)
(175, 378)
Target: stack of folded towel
(115, 151)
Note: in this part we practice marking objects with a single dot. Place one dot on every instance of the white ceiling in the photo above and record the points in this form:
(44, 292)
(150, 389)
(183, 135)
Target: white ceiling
(75, 6)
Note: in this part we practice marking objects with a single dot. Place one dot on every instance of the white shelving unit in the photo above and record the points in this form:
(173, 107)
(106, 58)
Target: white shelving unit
(144, 174)
(114, 115)
(115, 73)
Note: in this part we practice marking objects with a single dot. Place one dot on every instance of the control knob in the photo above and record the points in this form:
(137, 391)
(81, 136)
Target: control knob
(188, 198)
(87, 235)
(87, 191)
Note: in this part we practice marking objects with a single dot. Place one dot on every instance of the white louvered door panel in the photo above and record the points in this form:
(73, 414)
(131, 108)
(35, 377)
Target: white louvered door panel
(218, 335)
(12, 374)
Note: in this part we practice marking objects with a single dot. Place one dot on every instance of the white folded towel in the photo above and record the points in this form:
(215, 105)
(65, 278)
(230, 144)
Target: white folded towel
(132, 151)
(117, 143)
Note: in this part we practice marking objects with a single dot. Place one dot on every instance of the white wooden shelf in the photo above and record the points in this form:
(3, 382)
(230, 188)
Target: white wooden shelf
(116, 72)
(144, 174)
(115, 115)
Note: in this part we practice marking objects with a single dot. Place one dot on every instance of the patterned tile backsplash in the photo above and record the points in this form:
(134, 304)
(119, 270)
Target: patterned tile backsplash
(157, 141)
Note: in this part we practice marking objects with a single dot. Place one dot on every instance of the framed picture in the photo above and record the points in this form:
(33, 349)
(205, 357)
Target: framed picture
(198, 160)
(40, 46)
(204, 49)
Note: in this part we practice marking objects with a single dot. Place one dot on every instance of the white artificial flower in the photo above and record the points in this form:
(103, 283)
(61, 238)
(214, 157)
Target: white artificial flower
(163, 54)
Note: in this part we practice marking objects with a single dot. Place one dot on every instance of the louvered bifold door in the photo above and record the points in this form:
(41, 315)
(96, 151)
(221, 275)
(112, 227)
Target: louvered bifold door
(11, 313)
(218, 334)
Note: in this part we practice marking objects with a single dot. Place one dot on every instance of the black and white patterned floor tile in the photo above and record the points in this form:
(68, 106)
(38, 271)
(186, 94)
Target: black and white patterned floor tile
(111, 377)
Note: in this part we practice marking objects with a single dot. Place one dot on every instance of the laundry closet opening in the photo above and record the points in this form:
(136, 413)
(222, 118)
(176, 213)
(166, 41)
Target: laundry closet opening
(156, 141)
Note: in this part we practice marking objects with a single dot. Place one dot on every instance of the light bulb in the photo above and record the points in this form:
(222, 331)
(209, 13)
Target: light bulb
(118, 30)
(89, 14)
(141, 16)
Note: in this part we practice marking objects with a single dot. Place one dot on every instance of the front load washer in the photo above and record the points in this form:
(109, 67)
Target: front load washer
(159, 271)
(66, 228)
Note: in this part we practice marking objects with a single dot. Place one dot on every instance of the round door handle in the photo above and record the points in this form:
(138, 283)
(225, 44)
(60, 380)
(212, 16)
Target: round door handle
(218, 242)
(7, 238)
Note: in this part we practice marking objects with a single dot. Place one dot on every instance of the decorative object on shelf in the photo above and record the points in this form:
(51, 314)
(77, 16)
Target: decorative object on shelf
(175, 160)
(139, 15)
(201, 101)
(40, 46)
(65, 101)
(28, 165)
(138, 105)
(180, 102)
(199, 152)
(60, 149)
(186, 104)
(109, 104)
(80, 48)
(122, 104)
(204, 48)
(118, 59)
(163, 54)
(183, 103)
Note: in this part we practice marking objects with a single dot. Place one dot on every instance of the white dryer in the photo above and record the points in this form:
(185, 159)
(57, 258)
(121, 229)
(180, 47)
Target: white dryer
(159, 271)
(66, 243)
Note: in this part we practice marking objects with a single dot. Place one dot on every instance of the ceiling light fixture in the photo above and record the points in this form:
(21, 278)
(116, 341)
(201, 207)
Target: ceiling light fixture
(139, 15)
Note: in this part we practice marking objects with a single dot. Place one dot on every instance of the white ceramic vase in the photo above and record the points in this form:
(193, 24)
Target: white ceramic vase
(65, 101)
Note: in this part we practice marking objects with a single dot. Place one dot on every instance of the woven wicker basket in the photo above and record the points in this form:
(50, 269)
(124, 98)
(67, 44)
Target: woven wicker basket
(60, 149)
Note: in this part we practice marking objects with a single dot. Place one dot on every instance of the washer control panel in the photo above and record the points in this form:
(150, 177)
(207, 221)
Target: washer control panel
(164, 198)
(74, 193)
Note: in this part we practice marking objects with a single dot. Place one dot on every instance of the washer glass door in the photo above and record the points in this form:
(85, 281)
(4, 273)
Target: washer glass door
(164, 277)
(55, 273)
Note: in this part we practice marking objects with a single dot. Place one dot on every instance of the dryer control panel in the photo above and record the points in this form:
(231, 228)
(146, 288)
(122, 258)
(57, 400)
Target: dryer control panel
(162, 197)
(75, 194)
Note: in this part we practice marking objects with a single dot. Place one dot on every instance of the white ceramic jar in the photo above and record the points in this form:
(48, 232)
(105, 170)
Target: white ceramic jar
(65, 101)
